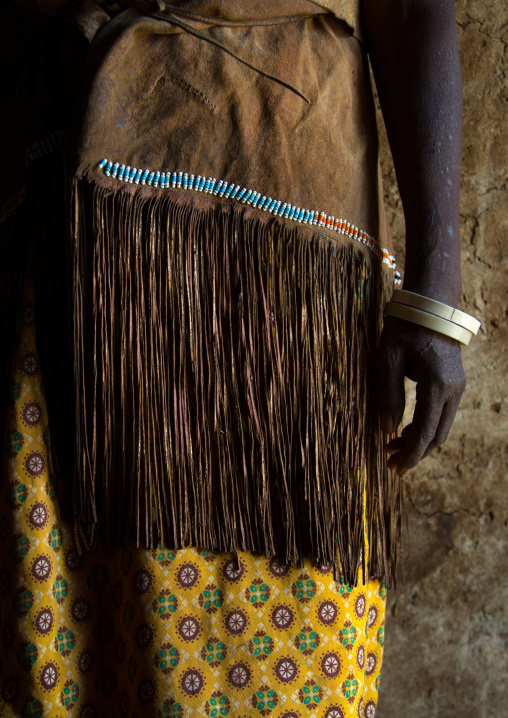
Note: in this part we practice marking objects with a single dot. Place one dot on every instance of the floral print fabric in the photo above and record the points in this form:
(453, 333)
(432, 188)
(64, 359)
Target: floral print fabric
(149, 634)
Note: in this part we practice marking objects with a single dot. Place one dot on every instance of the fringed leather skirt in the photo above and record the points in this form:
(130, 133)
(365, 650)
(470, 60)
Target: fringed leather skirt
(227, 263)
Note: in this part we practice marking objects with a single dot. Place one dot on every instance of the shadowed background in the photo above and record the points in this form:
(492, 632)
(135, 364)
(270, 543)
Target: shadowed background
(447, 629)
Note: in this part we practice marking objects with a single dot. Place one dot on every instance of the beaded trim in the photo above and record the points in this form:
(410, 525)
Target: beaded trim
(220, 188)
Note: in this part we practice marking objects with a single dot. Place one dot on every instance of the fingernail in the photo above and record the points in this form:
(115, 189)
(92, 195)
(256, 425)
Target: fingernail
(386, 422)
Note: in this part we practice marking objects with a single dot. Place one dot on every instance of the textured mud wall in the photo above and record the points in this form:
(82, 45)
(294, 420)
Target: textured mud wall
(447, 629)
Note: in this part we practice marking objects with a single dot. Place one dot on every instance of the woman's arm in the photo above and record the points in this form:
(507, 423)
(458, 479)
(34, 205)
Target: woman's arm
(413, 50)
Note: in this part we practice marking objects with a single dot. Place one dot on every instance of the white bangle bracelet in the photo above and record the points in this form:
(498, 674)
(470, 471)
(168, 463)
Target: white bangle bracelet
(429, 321)
(425, 304)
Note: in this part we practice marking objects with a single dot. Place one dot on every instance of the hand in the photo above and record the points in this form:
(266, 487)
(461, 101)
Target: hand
(434, 362)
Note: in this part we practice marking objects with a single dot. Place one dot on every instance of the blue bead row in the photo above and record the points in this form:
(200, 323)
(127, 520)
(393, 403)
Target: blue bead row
(220, 188)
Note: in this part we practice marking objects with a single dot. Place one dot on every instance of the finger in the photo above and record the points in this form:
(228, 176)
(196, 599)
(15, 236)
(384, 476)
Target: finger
(426, 419)
(390, 386)
(444, 426)
(396, 444)
(394, 460)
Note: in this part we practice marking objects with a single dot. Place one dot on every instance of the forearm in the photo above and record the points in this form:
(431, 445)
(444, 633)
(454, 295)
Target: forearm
(414, 54)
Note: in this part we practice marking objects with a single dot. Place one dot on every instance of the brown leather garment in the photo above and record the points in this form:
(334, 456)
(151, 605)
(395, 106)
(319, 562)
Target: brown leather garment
(224, 357)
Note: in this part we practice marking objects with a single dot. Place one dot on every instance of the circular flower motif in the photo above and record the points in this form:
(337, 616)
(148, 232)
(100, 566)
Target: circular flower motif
(80, 610)
(59, 589)
(192, 682)
(38, 515)
(16, 390)
(214, 652)
(41, 567)
(164, 558)
(211, 598)
(144, 635)
(98, 578)
(236, 622)
(264, 700)
(350, 688)
(187, 575)
(103, 630)
(239, 675)
(10, 690)
(18, 494)
(260, 645)
(55, 538)
(23, 601)
(35, 463)
(142, 581)
(32, 414)
(165, 604)
(286, 670)
(146, 691)
(277, 568)
(106, 682)
(334, 712)
(87, 710)
(282, 616)
(19, 548)
(348, 635)
(29, 364)
(189, 628)
(126, 560)
(327, 612)
(370, 710)
(345, 591)
(372, 616)
(33, 708)
(69, 694)
(360, 604)
(73, 560)
(171, 708)
(14, 443)
(218, 705)
(28, 315)
(167, 658)
(64, 641)
(209, 555)
(44, 621)
(307, 640)
(304, 588)
(233, 570)
(257, 593)
(310, 694)
(360, 657)
(85, 661)
(27, 654)
(48, 676)
(330, 665)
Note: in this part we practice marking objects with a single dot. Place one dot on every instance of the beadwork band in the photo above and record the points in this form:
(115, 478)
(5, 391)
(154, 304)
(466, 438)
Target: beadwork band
(220, 188)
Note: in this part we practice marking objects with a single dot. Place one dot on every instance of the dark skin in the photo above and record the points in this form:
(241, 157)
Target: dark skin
(414, 54)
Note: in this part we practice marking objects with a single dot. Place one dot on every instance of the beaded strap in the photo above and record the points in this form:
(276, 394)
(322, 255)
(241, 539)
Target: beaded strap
(220, 188)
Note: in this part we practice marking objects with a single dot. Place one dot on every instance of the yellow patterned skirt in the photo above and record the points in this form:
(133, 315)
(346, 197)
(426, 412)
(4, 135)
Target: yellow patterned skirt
(143, 634)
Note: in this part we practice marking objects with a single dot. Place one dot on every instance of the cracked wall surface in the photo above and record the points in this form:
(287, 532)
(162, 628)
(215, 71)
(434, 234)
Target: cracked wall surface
(446, 653)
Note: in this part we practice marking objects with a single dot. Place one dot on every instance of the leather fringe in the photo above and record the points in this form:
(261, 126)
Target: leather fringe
(224, 371)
